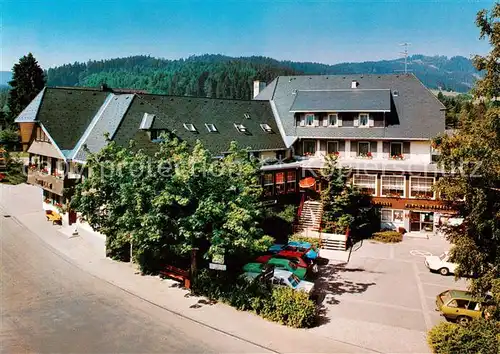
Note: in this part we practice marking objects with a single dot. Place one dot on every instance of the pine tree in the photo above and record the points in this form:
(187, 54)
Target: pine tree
(28, 80)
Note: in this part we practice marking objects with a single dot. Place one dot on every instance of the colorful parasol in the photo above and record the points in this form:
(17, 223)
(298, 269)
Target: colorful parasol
(307, 182)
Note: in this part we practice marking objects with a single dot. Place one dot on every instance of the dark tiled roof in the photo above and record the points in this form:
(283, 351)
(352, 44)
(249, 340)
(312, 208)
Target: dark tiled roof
(417, 113)
(354, 100)
(66, 113)
(172, 112)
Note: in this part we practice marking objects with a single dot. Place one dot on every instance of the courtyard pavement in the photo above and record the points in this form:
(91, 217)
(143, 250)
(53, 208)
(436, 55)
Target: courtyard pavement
(384, 298)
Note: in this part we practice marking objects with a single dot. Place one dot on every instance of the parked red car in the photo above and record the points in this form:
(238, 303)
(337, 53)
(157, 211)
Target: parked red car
(295, 257)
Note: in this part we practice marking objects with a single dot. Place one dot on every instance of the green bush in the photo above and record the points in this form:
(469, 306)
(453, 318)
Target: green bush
(312, 240)
(282, 305)
(480, 336)
(290, 307)
(388, 236)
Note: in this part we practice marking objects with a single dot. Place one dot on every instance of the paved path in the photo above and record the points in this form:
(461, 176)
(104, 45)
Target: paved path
(61, 294)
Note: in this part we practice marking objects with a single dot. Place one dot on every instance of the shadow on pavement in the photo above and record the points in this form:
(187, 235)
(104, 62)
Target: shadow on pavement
(330, 284)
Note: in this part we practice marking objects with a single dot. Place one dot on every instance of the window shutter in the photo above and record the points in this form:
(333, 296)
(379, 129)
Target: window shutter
(339, 121)
(406, 147)
(371, 123)
(342, 145)
(386, 147)
(297, 120)
(302, 120)
(356, 122)
(316, 120)
(298, 148)
(325, 120)
(373, 146)
(354, 146)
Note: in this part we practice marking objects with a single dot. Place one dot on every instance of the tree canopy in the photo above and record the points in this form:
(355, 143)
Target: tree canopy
(471, 156)
(179, 200)
(344, 206)
(27, 81)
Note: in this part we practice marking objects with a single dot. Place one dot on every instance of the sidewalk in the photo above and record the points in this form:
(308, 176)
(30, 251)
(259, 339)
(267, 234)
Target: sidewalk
(87, 252)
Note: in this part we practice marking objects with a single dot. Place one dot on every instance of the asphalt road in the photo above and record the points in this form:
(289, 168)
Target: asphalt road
(48, 304)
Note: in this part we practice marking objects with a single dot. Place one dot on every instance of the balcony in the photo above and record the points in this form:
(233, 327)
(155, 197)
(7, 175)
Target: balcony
(46, 181)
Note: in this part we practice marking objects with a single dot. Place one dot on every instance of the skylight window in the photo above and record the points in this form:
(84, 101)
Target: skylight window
(266, 127)
(211, 127)
(190, 127)
(240, 127)
(246, 115)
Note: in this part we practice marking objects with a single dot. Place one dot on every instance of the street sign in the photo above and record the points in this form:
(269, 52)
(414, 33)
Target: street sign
(217, 266)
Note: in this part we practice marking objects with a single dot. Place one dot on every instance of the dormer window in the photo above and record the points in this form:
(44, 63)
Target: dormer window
(332, 120)
(240, 127)
(364, 120)
(310, 119)
(190, 127)
(211, 128)
(266, 127)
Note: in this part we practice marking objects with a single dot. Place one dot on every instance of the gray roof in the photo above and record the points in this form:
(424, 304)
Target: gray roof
(171, 113)
(355, 100)
(30, 112)
(416, 113)
(106, 121)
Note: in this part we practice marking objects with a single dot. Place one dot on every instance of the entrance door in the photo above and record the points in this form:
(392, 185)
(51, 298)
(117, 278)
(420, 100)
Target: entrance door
(421, 221)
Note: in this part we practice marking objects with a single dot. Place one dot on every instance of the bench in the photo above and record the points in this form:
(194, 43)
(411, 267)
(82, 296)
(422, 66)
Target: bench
(53, 216)
(177, 274)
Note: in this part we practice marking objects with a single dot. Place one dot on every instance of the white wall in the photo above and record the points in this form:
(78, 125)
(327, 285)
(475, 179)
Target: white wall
(420, 151)
(268, 155)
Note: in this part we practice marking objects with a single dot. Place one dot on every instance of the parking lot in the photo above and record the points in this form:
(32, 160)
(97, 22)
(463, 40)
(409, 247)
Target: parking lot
(383, 299)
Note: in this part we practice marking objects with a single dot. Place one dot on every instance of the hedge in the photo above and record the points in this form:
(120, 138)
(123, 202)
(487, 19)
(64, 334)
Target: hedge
(388, 236)
(480, 336)
(280, 304)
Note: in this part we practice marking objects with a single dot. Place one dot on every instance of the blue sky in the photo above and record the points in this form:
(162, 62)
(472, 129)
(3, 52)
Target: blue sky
(63, 31)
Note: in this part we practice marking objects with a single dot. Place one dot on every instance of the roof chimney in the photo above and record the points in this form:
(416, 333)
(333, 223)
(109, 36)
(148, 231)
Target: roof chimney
(354, 84)
(258, 86)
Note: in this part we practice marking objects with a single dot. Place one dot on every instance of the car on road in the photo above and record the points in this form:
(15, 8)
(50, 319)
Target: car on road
(459, 306)
(440, 264)
(278, 263)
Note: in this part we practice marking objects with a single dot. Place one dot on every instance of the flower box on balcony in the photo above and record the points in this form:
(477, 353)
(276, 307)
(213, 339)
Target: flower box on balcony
(367, 155)
(397, 157)
(32, 166)
(44, 171)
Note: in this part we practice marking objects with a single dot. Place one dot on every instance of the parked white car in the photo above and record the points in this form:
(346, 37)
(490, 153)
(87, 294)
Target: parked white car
(286, 278)
(440, 264)
(282, 277)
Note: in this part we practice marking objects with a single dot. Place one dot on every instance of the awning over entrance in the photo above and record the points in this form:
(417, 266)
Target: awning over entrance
(307, 182)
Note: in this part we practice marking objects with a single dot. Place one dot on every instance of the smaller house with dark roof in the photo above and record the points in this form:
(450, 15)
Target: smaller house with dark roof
(61, 125)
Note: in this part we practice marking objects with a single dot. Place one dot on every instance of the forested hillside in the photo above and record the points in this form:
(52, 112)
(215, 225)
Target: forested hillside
(222, 76)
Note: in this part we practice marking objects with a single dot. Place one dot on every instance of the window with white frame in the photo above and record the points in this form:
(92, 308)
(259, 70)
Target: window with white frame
(332, 119)
(386, 215)
(421, 187)
(392, 186)
(364, 120)
(366, 183)
(280, 182)
(396, 149)
(391, 215)
(363, 148)
(268, 184)
(291, 181)
(309, 119)
(332, 147)
(309, 147)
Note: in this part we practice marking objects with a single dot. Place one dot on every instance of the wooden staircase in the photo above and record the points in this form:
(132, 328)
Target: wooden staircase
(310, 216)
